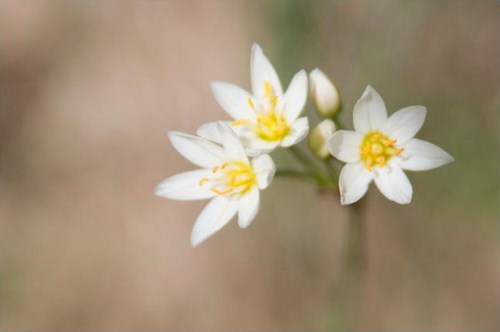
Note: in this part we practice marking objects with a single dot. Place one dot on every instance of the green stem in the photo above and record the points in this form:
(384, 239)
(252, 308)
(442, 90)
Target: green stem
(310, 165)
(342, 314)
(294, 174)
(332, 173)
(355, 259)
(338, 124)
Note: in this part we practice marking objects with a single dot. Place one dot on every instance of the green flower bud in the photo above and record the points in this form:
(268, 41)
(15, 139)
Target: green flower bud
(318, 139)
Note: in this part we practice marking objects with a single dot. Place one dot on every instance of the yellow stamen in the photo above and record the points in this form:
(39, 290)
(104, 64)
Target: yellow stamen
(377, 149)
(239, 122)
(269, 123)
(202, 181)
(275, 102)
(235, 178)
(268, 91)
(221, 192)
(390, 143)
(250, 103)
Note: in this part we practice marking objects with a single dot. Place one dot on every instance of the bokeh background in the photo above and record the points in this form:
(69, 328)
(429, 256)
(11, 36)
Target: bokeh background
(89, 89)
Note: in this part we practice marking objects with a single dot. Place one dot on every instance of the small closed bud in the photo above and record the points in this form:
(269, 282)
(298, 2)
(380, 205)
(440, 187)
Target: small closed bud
(324, 94)
(318, 139)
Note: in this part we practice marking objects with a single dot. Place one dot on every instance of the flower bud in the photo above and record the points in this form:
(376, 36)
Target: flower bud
(318, 139)
(324, 94)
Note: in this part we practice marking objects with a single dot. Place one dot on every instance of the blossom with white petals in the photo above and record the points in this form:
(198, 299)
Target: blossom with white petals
(380, 149)
(267, 118)
(226, 176)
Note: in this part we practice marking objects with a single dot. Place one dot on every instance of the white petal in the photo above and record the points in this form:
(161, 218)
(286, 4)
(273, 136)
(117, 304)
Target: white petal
(419, 155)
(369, 111)
(233, 99)
(298, 131)
(248, 208)
(353, 182)
(295, 96)
(405, 123)
(185, 186)
(210, 132)
(344, 145)
(393, 183)
(257, 146)
(264, 168)
(261, 71)
(232, 144)
(214, 216)
(197, 150)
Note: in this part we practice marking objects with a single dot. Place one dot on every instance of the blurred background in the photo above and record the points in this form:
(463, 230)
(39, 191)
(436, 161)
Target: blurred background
(88, 91)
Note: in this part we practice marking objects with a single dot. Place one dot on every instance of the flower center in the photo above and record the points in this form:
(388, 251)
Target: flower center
(377, 149)
(270, 124)
(235, 178)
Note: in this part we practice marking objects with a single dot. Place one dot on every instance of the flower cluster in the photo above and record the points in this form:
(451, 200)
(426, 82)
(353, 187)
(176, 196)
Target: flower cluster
(234, 159)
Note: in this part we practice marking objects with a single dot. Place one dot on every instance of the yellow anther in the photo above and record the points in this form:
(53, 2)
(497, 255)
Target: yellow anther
(239, 122)
(221, 192)
(390, 142)
(275, 102)
(365, 149)
(268, 91)
(380, 160)
(214, 170)
(202, 181)
(250, 103)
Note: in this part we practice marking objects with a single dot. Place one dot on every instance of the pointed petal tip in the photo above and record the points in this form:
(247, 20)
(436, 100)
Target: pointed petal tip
(301, 72)
(157, 191)
(195, 242)
(256, 47)
(173, 133)
(315, 70)
(368, 90)
(448, 157)
(215, 84)
(196, 239)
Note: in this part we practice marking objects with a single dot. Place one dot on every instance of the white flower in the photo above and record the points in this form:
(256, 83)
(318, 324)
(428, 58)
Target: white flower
(324, 94)
(381, 148)
(318, 139)
(226, 175)
(267, 118)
